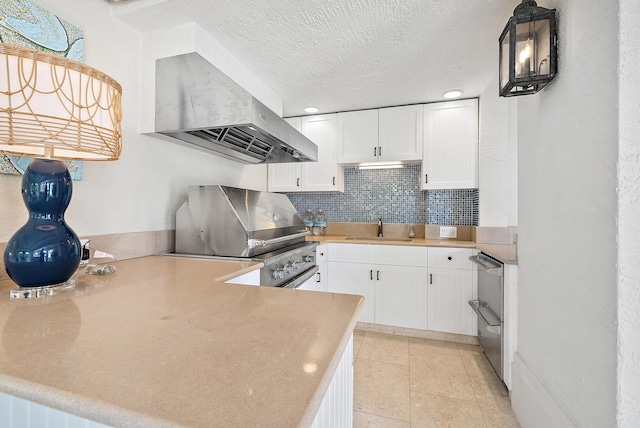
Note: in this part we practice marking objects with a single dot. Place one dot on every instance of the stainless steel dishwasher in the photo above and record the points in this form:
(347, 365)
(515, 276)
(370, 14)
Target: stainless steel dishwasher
(490, 309)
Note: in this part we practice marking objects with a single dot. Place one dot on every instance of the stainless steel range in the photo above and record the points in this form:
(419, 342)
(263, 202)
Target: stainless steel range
(230, 223)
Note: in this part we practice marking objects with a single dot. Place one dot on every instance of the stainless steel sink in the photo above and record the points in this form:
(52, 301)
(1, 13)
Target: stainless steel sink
(377, 238)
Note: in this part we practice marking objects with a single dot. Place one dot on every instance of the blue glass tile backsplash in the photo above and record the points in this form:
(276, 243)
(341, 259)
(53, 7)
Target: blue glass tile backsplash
(394, 195)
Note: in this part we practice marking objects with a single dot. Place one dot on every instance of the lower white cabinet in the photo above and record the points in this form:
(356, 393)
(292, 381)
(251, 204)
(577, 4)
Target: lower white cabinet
(401, 296)
(392, 279)
(449, 292)
(354, 278)
(318, 282)
(407, 286)
(451, 286)
(321, 260)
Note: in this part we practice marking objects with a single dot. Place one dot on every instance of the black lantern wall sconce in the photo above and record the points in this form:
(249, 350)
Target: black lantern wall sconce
(528, 50)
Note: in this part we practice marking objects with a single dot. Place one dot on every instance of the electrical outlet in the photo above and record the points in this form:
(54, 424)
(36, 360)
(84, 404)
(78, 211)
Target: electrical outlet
(448, 231)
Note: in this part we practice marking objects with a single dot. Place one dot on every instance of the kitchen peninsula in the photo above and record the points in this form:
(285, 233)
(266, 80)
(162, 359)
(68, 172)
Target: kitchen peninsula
(164, 341)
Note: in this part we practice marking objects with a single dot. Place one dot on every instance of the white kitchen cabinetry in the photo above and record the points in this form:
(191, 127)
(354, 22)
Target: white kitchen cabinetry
(451, 286)
(400, 133)
(321, 261)
(321, 176)
(393, 280)
(450, 152)
(401, 296)
(381, 135)
(354, 278)
(318, 282)
(358, 136)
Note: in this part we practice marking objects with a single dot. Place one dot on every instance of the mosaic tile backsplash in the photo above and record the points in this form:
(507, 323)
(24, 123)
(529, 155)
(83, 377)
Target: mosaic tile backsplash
(395, 196)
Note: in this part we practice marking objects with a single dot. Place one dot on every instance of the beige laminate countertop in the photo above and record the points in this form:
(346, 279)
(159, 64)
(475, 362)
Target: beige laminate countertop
(164, 342)
(503, 252)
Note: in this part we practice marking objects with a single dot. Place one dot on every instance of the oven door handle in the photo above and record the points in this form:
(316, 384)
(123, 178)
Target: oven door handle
(491, 268)
(254, 243)
(300, 279)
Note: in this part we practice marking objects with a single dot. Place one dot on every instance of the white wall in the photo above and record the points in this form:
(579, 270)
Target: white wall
(497, 161)
(628, 220)
(567, 252)
(141, 191)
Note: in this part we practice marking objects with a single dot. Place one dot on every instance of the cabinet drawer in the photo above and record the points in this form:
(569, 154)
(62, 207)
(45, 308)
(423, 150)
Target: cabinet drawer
(400, 255)
(451, 258)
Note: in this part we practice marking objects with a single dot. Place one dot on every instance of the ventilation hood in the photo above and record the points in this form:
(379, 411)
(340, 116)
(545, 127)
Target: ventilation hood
(199, 105)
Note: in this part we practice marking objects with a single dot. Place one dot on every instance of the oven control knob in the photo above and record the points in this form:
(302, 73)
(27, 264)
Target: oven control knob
(297, 265)
(278, 273)
(288, 268)
(308, 259)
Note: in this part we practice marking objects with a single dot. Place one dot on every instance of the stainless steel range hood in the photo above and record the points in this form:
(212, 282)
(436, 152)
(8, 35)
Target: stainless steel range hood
(198, 104)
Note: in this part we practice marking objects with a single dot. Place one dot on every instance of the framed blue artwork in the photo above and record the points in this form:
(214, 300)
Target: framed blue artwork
(23, 23)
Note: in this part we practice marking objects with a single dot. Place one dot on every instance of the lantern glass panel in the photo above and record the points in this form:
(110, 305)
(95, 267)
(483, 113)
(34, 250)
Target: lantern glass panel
(532, 49)
(504, 60)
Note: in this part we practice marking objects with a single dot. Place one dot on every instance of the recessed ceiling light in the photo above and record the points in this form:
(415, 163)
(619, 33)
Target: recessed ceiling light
(311, 109)
(452, 94)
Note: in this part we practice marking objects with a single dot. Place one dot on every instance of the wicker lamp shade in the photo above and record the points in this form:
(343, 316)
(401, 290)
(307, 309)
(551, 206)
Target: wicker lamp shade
(57, 108)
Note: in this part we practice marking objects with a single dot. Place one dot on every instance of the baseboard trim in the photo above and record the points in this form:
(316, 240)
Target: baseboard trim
(531, 401)
(422, 334)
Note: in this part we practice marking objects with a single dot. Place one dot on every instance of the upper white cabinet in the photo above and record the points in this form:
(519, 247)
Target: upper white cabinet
(321, 176)
(386, 134)
(400, 133)
(450, 151)
(358, 136)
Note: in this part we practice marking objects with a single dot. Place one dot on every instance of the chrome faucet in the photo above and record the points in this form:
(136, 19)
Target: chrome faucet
(380, 228)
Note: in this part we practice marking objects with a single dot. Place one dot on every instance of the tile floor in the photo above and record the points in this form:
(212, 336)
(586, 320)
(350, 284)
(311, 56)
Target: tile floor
(410, 382)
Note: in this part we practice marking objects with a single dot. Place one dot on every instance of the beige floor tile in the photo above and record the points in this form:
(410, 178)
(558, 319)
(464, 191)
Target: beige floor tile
(436, 360)
(476, 349)
(365, 420)
(385, 347)
(381, 389)
(497, 419)
(490, 392)
(476, 364)
(419, 343)
(451, 384)
(428, 410)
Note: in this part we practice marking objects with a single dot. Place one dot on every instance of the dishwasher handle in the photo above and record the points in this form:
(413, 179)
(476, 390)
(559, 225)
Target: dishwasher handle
(485, 313)
(489, 266)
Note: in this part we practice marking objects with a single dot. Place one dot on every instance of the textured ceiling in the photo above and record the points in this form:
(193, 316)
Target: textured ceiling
(347, 54)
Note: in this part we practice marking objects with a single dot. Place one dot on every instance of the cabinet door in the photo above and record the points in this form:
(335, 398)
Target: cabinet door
(285, 177)
(325, 174)
(449, 293)
(353, 278)
(400, 133)
(358, 136)
(450, 152)
(401, 296)
(321, 261)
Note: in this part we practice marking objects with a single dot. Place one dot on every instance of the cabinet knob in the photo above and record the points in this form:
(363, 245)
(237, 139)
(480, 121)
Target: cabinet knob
(449, 258)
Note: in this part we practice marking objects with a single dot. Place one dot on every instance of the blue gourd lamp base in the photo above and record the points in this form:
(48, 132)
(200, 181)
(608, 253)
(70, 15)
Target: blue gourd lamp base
(45, 251)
